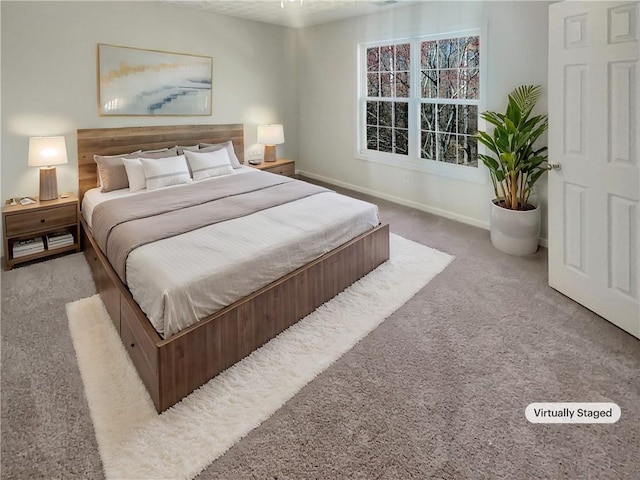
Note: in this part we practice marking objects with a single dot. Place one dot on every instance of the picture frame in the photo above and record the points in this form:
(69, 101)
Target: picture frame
(136, 81)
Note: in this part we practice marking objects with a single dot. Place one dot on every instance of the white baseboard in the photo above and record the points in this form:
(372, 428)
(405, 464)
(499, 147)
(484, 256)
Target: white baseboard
(405, 202)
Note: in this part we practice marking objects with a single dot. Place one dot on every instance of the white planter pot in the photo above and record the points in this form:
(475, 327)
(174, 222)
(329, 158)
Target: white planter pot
(515, 232)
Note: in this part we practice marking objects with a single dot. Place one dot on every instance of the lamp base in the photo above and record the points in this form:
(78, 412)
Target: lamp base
(269, 153)
(48, 184)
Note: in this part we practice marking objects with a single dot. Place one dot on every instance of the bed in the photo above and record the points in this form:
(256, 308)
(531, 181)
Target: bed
(239, 280)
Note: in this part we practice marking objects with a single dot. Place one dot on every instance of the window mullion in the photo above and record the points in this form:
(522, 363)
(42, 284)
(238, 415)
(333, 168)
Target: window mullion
(414, 83)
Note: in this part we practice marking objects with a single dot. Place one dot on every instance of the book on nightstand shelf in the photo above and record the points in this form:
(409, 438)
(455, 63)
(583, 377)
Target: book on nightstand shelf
(22, 248)
(59, 239)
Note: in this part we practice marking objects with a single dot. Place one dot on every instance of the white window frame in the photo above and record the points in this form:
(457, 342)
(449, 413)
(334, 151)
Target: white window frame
(413, 161)
(363, 97)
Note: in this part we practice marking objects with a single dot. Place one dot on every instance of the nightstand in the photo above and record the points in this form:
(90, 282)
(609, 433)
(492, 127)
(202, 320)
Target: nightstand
(24, 222)
(281, 166)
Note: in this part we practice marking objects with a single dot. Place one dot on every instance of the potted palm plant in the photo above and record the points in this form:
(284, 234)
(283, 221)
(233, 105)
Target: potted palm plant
(515, 165)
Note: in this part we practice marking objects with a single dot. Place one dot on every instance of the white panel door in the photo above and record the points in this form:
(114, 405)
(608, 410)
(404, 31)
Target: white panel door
(594, 117)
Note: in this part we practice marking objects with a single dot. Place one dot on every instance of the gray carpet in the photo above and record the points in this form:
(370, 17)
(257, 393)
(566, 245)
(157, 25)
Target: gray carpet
(437, 391)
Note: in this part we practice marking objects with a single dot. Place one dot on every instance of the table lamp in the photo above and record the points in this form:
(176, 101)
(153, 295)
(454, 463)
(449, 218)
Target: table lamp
(45, 152)
(270, 136)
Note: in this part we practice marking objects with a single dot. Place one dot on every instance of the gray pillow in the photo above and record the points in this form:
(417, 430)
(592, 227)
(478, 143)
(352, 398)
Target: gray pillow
(192, 148)
(111, 171)
(212, 147)
(167, 152)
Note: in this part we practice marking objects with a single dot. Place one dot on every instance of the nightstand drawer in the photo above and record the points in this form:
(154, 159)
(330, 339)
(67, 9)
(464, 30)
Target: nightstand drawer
(49, 218)
(286, 170)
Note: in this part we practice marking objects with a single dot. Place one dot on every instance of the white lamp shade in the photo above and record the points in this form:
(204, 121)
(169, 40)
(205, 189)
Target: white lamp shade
(47, 151)
(270, 134)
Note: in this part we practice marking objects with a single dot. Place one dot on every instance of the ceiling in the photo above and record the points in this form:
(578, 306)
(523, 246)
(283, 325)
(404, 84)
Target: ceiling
(294, 14)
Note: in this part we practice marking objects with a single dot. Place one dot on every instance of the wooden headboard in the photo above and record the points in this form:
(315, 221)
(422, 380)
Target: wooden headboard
(114, 141)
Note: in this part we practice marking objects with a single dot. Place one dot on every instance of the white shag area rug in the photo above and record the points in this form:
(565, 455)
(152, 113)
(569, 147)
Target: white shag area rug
(136, 442)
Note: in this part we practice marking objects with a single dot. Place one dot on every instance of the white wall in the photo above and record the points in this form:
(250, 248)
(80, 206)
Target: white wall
(517, 54)
(49, 84)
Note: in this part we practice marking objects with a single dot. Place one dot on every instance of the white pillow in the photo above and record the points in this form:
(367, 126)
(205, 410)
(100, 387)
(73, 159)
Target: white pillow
(163, 172)
(212, 147)
(210, 164)
(135, 174)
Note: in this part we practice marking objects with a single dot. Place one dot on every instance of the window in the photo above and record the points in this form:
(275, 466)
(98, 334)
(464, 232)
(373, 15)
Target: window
(388, 89)
(449, 80)
(419, 99)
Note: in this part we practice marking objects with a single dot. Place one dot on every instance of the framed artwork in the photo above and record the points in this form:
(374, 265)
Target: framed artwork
(134, 81)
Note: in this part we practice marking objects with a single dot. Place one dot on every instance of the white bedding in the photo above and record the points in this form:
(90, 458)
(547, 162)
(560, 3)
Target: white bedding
(203, 271)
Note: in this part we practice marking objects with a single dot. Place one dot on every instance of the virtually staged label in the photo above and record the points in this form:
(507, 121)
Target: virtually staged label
(572, 412)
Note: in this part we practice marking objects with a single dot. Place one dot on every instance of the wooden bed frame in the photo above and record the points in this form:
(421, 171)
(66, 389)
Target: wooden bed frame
(174, 367)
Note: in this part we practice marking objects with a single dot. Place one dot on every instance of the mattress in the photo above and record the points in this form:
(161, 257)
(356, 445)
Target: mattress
(180, 280)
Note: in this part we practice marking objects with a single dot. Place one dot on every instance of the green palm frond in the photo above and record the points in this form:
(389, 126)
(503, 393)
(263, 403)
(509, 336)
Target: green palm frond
(526, 97)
